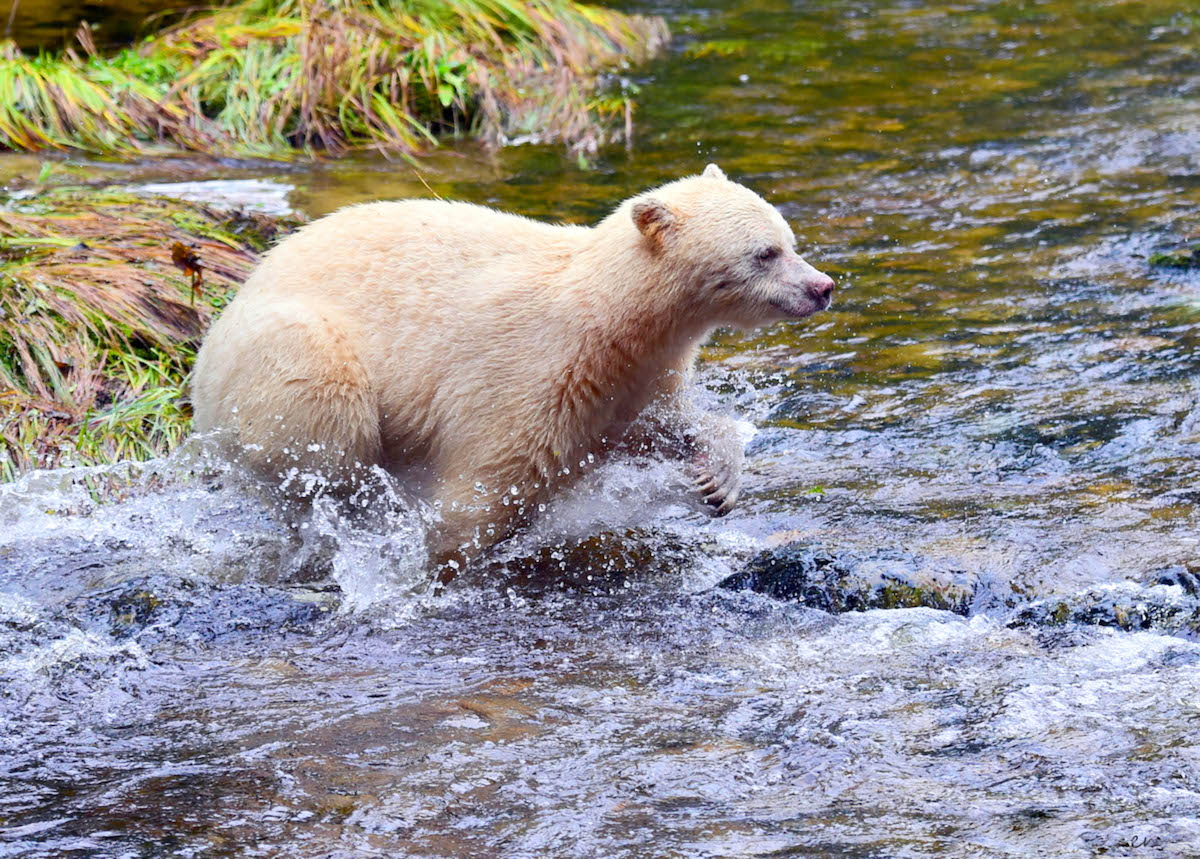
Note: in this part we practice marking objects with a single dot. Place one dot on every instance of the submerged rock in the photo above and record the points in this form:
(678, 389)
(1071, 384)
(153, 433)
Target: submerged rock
(1169, 603)
(184, 609)
(598, 563)
(848, 581)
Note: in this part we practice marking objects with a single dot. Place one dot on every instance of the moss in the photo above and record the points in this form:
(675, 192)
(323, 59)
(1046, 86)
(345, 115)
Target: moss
(1186, 256)
(133, 610)
(945, 596)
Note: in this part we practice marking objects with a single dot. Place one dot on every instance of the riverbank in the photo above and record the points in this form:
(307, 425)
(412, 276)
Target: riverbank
(295, 78)
(104, 296)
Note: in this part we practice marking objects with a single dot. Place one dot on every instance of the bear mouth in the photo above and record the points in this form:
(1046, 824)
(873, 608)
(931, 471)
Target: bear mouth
(802, 306)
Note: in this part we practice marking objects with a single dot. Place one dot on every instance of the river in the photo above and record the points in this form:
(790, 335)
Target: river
(1004, 387)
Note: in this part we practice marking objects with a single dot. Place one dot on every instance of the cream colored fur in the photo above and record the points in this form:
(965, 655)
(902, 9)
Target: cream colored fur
(485, 355)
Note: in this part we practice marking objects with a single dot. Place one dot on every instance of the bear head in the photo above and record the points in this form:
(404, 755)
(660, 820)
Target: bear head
(730, 252)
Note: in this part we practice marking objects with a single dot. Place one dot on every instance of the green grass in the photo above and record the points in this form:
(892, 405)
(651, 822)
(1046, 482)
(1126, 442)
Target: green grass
(98, 327)
(283, 77)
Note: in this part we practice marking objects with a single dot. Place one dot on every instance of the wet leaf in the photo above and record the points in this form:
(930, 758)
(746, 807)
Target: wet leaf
(187, 261)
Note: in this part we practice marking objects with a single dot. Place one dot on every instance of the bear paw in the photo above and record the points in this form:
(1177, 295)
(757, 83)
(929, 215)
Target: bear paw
(718, 482)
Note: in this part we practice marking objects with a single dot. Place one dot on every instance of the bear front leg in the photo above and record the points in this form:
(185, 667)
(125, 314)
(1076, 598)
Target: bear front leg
(468, 523)
(717, 462)
(710, 444)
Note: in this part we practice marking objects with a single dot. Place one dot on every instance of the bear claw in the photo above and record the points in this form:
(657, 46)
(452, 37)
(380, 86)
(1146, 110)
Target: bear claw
(717, 493)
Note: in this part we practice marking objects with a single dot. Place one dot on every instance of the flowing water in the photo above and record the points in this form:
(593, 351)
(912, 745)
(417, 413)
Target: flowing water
(1004, 387)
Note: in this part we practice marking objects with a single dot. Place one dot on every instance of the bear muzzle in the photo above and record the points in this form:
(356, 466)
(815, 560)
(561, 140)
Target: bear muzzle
(807, 292)
(820, 289)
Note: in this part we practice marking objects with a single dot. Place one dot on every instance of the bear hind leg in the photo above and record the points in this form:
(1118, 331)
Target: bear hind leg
(299, 399)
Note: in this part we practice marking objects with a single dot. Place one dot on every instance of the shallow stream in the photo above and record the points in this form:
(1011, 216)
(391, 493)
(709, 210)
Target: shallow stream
(1004, 388)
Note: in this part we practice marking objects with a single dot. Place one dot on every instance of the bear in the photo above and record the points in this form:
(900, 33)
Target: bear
(487, 359)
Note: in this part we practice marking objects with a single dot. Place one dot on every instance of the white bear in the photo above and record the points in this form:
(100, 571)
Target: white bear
(484, 356)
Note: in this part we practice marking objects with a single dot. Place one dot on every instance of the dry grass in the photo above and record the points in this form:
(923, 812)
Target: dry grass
(50, 103)
(98, 328)
(270, 77)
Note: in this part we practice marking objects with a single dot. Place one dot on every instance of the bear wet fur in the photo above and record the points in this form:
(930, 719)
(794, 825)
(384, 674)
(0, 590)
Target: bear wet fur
(481, 354)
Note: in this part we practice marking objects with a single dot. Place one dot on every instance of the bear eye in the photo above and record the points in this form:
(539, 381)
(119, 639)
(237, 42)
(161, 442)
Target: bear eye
(768, 254)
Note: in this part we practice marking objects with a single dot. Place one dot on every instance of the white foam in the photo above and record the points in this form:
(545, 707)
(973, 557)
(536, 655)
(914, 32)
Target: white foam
(259, 195)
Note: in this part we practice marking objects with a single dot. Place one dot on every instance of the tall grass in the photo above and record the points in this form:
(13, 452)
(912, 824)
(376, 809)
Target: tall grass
(98, 327)
(269, 77)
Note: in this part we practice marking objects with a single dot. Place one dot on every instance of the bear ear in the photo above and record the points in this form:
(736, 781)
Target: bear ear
(712, 171)
(654, 219)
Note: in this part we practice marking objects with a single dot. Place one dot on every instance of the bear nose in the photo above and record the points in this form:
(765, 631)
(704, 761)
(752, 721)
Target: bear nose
(821, 287)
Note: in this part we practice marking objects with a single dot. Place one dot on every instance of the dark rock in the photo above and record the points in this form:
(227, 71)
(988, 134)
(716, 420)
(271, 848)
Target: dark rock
(1185, 577)
(599, 563)
(1168, 605)
(848, 581)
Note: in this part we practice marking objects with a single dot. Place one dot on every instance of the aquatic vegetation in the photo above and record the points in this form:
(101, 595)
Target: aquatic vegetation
(1184, 256)
(271, 77)
(98, 325)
